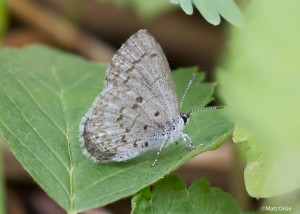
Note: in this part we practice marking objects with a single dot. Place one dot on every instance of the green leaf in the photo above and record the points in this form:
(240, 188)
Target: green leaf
(260, 83)
(187, 6)
(229, 11)
(170, 195)
(259, 176)
(44, 94)
(140, 202)
(240, 135)
(212, 9)
(208, 11)
(2, 198)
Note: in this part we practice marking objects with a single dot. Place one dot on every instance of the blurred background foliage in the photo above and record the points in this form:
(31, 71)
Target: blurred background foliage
(260, 83)
(258, 77)
(212, 10)
(3, 18)
(146, 9)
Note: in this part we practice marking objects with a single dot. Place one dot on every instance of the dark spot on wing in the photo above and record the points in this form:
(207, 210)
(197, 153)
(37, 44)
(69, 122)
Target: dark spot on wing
(127, 130)
(145, 127)
(116, 74)
(130, 69)
(146, 144)
(135, 144)
(156, 113)
(153, 55)
(139, 99)
(126, 80)
(121, 109)
(135, 106)
(123, 139)
(120, 117)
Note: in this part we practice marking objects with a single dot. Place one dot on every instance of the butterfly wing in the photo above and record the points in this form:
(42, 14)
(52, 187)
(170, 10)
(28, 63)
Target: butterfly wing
(142, 65)
(137, 105)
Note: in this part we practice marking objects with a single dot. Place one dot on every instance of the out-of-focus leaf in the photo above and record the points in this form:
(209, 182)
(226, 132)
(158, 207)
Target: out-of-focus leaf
(260, 83)
(186, 6)
(170, 195)
(45, 93)
(239, 135)
(208, 11)
(211, 10)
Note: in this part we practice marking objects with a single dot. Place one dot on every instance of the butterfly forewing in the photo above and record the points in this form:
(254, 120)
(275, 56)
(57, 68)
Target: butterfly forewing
(142, 65)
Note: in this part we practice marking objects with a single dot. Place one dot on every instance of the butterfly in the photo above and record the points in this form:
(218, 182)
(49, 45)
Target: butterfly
(138, 108)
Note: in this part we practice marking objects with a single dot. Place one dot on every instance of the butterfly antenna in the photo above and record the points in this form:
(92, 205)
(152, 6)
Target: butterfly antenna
(207, 109)
(187, 88)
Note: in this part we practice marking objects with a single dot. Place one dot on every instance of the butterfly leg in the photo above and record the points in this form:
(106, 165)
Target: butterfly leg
(187, 140)
(158, 152)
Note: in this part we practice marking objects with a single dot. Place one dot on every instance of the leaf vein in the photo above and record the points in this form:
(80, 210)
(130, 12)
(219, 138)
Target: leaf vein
(108, 177)
(76, 83)
(36, 157)
(63, 107)
(30, 125)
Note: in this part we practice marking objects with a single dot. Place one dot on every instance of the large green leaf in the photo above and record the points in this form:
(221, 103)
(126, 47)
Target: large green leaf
(261, 85)
(170, 195)
(45, 93)
(2, 200)
(211, 10)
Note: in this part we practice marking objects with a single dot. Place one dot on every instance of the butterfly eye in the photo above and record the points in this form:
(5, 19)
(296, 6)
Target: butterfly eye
(184, 118)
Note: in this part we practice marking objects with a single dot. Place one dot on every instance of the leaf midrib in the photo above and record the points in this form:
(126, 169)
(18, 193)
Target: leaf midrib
(63, 108)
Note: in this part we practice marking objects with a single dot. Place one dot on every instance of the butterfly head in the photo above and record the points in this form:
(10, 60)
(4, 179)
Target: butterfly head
(185, 117)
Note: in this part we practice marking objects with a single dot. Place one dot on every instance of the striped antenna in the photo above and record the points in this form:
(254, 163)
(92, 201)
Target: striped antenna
(187, 88)
(206, 109)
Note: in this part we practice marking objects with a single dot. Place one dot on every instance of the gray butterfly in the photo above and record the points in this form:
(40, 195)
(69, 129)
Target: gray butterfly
(138, 107)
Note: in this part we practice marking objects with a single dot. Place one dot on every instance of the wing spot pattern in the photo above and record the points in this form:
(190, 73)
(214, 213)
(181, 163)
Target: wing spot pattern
(139, 99)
